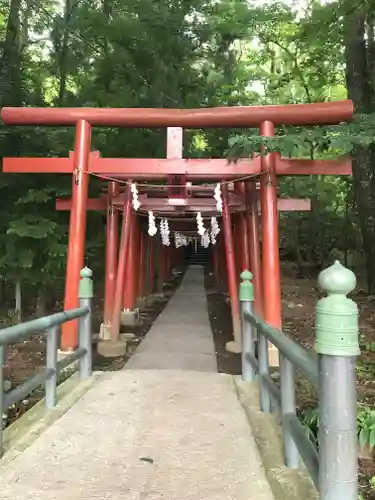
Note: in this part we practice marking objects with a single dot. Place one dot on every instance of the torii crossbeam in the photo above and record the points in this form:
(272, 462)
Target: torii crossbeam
(194, 169)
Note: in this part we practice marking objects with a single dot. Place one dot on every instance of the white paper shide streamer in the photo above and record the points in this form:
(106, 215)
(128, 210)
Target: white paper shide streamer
(215, 230)
(180, 240)
(164, 232)
(152, 229)
(136, 202)
(205, 240)
(217, 196)
(200, 227)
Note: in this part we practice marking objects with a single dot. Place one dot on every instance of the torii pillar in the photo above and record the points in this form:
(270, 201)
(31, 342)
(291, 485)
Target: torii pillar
(129, 313)
(270, 241)
(77, 230)
(114, 345)
(235, 344)
(255, 261)
(111, 250)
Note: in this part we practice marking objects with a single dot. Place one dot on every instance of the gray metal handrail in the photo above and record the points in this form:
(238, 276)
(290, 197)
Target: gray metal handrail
(49, 325)
(330, 370)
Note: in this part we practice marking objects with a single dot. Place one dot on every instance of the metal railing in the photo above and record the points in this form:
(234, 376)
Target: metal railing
(50, 326)
(331, 370)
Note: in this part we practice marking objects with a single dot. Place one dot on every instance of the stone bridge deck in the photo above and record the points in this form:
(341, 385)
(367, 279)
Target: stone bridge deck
(168, 427)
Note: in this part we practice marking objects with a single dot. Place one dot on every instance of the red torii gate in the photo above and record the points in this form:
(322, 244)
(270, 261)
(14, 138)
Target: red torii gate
(112, 200)
(83, 162)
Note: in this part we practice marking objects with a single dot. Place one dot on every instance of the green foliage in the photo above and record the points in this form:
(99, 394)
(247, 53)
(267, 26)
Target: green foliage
(366, 427)
(171, 53)
(310, 142)
(310, 421)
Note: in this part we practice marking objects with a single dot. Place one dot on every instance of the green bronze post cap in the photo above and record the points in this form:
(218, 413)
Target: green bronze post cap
(86, 272)
(246, 286)
(246, 275)
(337, 279)
(86, 289)
(336, 320)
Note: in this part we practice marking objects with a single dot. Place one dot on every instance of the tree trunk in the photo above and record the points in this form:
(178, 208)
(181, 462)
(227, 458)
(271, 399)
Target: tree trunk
(10, 62)
(41, 305)
(359, 90)
(63, 51)
(18, 300)
(26, 15)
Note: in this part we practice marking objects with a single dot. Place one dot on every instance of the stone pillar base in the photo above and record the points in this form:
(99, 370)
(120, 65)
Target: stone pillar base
(233, 347)
(141, 303)
(127, 336)
(130, 317)
(273, 355)
(68, 370)
(150, 300)
(105, 331)
(112, 348)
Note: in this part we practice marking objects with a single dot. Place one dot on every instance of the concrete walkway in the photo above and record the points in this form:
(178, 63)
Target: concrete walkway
(155, 434)
(181, 337)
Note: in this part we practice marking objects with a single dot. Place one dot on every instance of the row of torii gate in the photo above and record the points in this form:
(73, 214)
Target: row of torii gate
(186, 187)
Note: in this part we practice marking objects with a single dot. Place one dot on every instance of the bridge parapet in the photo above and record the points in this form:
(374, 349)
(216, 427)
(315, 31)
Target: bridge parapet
(332, 464)
(50, 325)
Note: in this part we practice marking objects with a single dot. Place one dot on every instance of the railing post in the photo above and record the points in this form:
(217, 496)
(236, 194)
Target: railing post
(337, 345)
(246, 296)
(264, 369)
(288, 406)
(85, 294)
(51, 364)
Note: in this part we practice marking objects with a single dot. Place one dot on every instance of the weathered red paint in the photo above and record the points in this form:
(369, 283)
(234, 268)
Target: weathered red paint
(215, 263)
(245, 251)
(222, 117)
(161, 266)
(151, 266)
(126, 229)
(192, 169)
(176, 183)
(142, 263)
(236, 242)
(138, 259)
(270, 235)
(174, 142)
(131, 275)
(77, 230)
(243, 241)
(222, 257)
(231, 267)
(166, 253)
(111, 253)
(252, 219)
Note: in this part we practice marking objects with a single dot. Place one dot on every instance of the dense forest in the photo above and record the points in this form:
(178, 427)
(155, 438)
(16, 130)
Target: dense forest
(187, 53)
